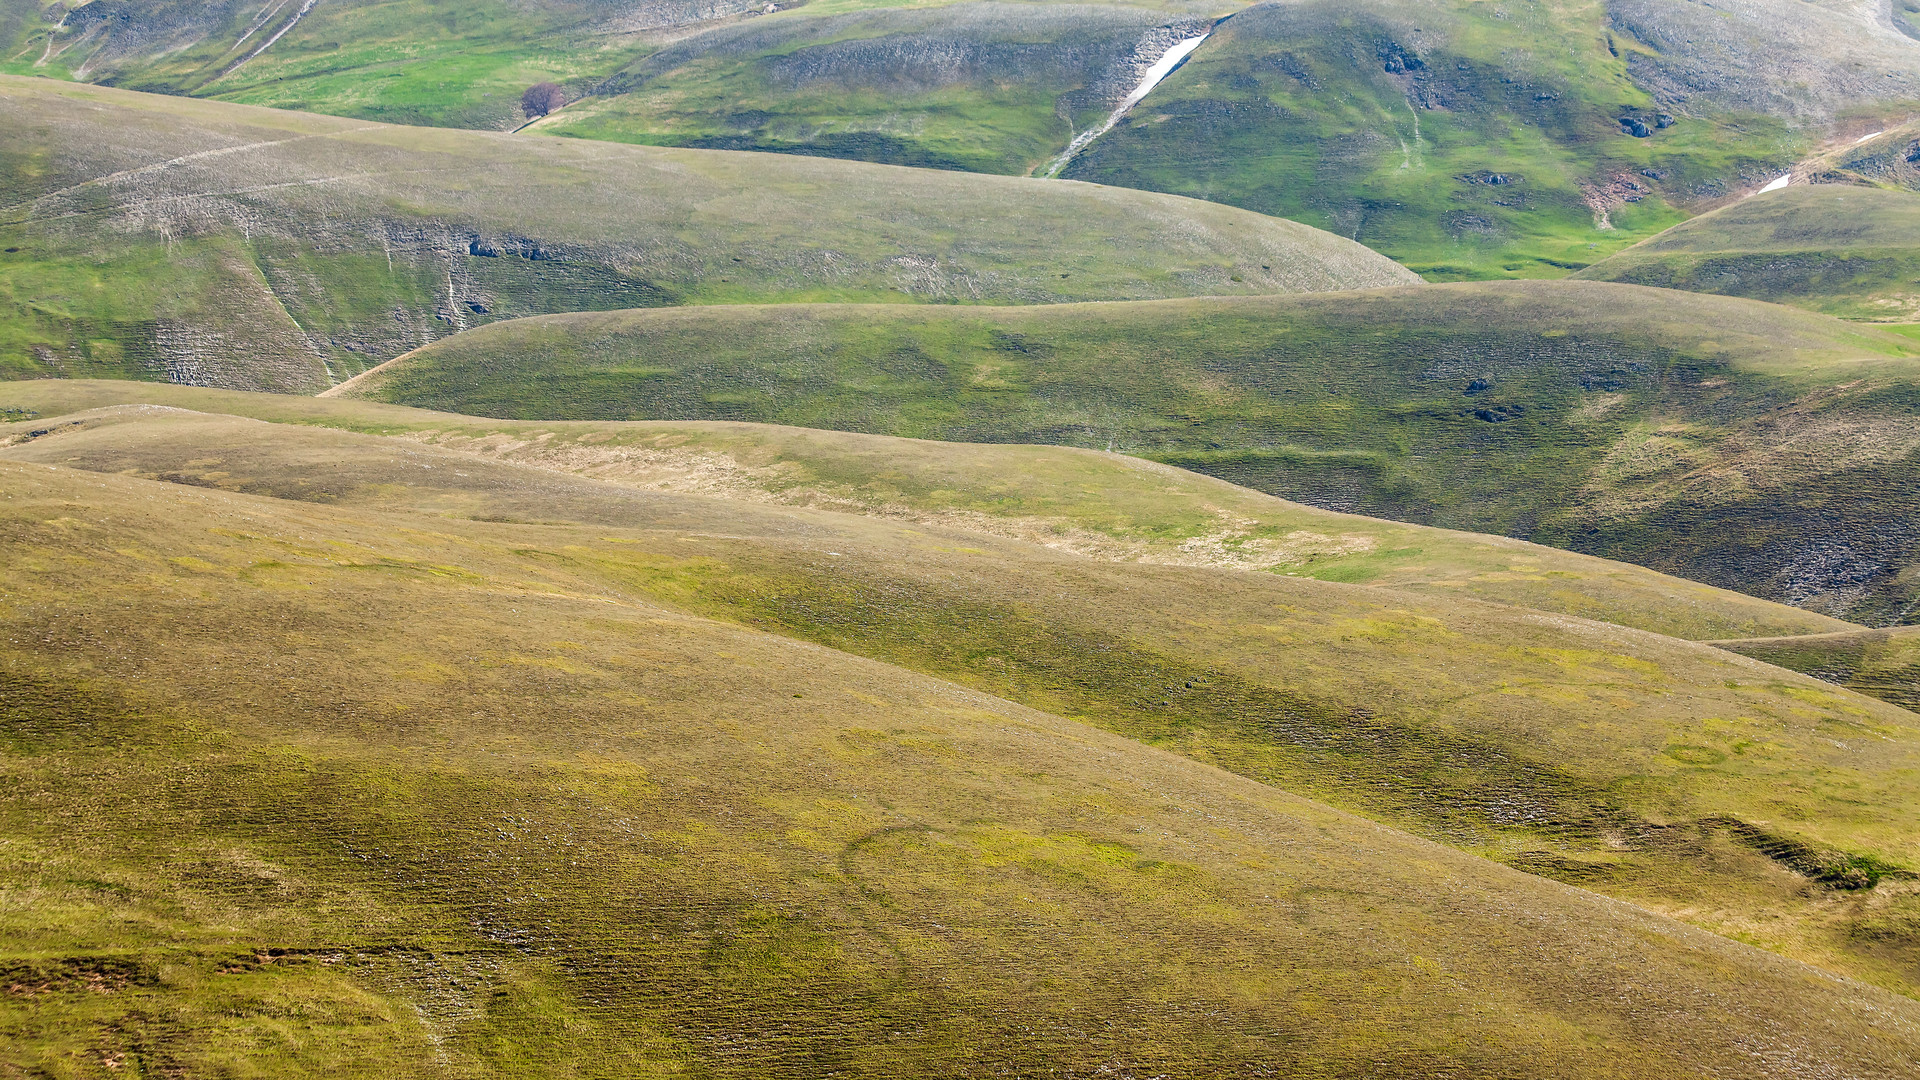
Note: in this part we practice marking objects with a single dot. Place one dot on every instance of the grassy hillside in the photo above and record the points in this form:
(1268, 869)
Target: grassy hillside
(1845, 250)
(422, 61)
(1880, 156)
(991, 87)
(147, 236)
(599, 836)
(1484, 140)
(1748, 446)
(1880, 663)
(1100, 505)
(1741, 797)
(1467, 140)
(400, 61)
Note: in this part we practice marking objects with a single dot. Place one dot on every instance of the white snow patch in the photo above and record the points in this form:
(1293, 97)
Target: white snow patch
(1777, 184)
(1161, 69)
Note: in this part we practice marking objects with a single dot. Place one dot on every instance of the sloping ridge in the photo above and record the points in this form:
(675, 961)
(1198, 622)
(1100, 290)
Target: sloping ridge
(373, 239)
(1845, 249)
(1542, 410)
(666, 839)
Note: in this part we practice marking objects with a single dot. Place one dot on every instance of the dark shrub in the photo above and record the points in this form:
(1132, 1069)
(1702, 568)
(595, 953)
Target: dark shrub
(541, 99)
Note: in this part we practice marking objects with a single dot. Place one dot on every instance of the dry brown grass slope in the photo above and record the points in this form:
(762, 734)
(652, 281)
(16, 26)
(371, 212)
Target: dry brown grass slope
(459, 808)
(1741, 797)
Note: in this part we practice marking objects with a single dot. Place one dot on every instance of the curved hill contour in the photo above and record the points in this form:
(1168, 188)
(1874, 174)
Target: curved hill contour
(1657, 771)
(601, 836)
(1466, 139)
(218, 244)
(1882, 663)
(1105, 506)
(1745, 445)
(1847, 250)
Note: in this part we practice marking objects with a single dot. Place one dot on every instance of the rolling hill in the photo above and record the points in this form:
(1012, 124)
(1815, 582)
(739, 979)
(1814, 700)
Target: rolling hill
(1091, 503)
(1477, 140)
(1740, 797)
(856, 545)
(991, 87)
(158, 237)
(1847, 250)
(399, 61)
(601, 836)
(1885, 157)
(1748, 446)
(1882, 663)
(1466, 140)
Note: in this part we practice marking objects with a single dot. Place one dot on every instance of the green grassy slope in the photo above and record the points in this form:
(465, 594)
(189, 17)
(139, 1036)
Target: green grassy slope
(991, 87)
(1483, 141)
(420, 61)
(599, 837)
(1845, 250)
(401, 61)
(148, 236)
(1749, 446)
(1104, 506)
(1741, 797)
(1882, 156)
(1881, 663)
(1468, 140)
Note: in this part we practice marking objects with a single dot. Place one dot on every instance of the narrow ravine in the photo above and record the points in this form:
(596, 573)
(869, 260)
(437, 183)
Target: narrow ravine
(268, 44)
(1160, 69)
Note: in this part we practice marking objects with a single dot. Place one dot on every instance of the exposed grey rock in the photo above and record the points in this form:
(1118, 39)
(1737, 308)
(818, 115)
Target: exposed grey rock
(1786, 58)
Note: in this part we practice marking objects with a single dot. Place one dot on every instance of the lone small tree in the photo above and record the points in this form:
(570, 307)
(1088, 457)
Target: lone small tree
(541, 99)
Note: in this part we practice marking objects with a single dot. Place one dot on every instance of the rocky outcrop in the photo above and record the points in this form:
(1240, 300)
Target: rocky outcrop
(1092, 49)
(1785, 58)
(98, 39)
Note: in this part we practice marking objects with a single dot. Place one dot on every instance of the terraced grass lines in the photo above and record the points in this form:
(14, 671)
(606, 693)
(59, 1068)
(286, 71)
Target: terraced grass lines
(1091, 503)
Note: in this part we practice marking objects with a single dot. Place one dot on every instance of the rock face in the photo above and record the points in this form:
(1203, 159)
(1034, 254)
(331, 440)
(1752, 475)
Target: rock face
(113, 32)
